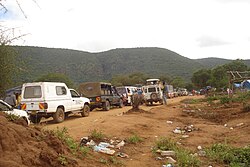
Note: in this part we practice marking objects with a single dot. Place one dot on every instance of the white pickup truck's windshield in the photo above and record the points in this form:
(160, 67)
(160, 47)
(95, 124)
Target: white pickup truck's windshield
(32, 92)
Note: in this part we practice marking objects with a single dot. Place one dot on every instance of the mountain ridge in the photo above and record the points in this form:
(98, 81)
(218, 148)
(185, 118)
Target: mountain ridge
(82, 66)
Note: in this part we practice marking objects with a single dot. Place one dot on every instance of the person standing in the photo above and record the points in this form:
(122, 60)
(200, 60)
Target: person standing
(164, 92)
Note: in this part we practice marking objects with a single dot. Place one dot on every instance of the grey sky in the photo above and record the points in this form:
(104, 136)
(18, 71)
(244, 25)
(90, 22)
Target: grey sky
(193, 28)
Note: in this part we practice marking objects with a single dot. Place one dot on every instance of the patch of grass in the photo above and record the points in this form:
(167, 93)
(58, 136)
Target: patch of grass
(190, 101)
(184, 157)
(224, 100)
(12, 117)
(63, 135)
(111, 160)
(243, 96)
(62, 159)
(84, 150)
(103, 161)
(97, 135)
(134, 139)
(246, 107)
(228, 155)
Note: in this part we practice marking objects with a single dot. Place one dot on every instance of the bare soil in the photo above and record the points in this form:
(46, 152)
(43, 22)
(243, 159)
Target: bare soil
(211, 124)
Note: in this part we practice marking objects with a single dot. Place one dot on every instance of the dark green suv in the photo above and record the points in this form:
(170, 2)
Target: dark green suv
(102, 95)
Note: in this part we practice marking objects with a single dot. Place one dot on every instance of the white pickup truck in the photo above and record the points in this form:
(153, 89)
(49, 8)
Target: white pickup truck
(52, 99)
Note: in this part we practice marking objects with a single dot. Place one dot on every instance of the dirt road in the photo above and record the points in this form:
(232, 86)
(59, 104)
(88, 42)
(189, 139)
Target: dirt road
(152, 125)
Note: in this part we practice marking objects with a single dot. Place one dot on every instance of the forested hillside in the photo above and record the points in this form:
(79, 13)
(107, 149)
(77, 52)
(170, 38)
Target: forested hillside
(84, 66)
(213, 62)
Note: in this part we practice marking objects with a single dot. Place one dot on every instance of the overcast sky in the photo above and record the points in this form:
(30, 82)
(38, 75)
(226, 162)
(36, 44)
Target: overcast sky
(191, 28)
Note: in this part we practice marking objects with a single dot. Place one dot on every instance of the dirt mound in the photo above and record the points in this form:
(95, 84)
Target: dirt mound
(137, 111)
(27, 146)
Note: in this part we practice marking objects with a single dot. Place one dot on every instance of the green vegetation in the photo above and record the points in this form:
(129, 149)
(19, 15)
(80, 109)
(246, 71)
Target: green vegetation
(191, 101)
(97, 135)
(184, 157)
(111, 161)
(134, 139)
(8, 62)
(119, 66)
(12, 117)
(70, 142)
(246, 107)
(224, 100)
(234, 157)
(62, 159)
(83, 66)
(217, 77)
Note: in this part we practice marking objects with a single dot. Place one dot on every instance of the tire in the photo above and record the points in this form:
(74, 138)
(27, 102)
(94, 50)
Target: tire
(106, 106)
(85, 111)
(59, 115)
(154, 96)
(35, 119)
(121, 103)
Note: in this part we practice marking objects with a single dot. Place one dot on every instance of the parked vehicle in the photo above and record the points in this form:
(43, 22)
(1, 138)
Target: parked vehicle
(6, 108)
(175, 93)
(102, 95)
(152, 93)
(184, 92)
(127, 93)
(52, 99)
(153, 82)
(170, 89)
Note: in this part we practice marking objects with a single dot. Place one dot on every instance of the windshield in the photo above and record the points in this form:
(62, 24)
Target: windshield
(121, 90)
(32, 92)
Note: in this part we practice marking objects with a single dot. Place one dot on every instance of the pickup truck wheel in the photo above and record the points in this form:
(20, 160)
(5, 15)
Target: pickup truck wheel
(106, 106)
(35, 119)
(59, 115)
(85, 111)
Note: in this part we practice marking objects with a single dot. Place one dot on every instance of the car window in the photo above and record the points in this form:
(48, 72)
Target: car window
(61, 90)
(32, 92)
(74, 93)
(3, 107)
(121, 90)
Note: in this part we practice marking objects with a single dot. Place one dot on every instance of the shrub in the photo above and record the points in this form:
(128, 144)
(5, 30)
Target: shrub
(70, 142)
(228, 155)
(134, 139)
(184, 157)
(97, 135)
(224, 100)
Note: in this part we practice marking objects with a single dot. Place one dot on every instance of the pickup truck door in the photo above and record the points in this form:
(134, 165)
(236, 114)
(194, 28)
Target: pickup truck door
(76, 103)
(116, 97)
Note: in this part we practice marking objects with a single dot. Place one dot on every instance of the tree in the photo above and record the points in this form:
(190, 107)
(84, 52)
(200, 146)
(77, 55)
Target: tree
(178, 82)
(201, 77)
(56, 77)
(129, 80)
(7, 67)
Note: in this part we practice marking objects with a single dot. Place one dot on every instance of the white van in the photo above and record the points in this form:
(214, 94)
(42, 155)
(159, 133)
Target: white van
(126, 92)
(52, 99)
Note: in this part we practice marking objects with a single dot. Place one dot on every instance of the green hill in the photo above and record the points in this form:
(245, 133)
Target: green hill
(84, 66)
(213, 62)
